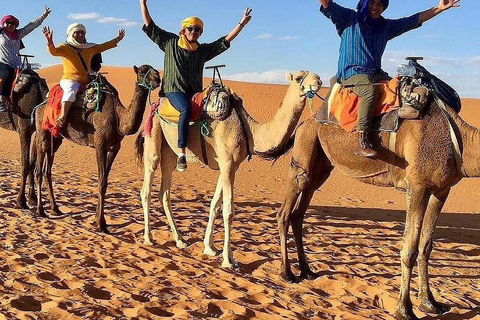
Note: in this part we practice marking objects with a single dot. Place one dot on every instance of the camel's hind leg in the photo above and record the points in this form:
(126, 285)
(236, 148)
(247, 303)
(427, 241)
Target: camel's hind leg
(417, 201)
(305, 154)
(214, 209)
(26, 169)
(42, 146)
(48, 173)
(428, 303)
(32, 198)
(227, 178)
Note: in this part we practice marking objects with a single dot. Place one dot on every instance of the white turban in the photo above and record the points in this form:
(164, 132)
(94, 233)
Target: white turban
(71, 29)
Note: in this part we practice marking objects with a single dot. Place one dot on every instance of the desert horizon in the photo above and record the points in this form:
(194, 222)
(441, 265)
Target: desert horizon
(63, 268)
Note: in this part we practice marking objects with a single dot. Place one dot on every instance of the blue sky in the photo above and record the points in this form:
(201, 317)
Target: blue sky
(284, 35)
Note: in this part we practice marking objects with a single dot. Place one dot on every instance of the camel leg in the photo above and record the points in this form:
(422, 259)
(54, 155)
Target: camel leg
(321, 172)
(304, 156)
(48, 174)
(417, 201)
(42, 147)
(32, 198)
(428, 303)
(151, 157)
(227, 175)
(214, 209)
(25, 138)
(101, 153)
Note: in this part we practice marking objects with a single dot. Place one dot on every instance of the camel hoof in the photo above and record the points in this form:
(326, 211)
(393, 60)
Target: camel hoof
(21, 205)
(403, 314)
(148, 242)
(41, 213)
(289, 276)
(104, 229)
(180, 244)
(230, 265)
(57, 211)
(309, 275)
(434, 307)
(210, 251)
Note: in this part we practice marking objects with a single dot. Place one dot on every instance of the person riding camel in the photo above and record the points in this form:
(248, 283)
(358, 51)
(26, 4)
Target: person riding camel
(184, 60)
(76, 54)
(10, 45)
(364, 35)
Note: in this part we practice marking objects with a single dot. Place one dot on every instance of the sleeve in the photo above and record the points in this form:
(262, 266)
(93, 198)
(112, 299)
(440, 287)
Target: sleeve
(340, 16)
(213, 49)
(57, 51)
(104, 46)
(31, 26)
(397, 27)
(158, 35)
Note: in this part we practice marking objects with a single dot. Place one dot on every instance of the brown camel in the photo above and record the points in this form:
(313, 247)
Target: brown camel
(227, 146)
(29, 91)
(423, 161)
(103, 131)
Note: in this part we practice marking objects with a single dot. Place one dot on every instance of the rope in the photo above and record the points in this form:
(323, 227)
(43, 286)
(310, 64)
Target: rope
(205, 128)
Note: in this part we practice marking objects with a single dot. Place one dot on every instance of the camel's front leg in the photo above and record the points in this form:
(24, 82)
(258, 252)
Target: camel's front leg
(214, 208)
(42, 147)
(427, 301)
(168, 163)
(101, 154)
(32, 198)
(48, 172)
(417, 200)
(228, 177)
(26, 169)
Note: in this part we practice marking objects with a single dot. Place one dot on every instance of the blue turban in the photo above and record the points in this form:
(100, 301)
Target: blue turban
(362, 6)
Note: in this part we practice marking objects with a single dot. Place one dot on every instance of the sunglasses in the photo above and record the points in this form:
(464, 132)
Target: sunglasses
(196, 29)
(10, 23)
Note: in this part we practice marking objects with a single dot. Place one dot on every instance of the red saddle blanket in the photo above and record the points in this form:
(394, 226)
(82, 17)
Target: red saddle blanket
(52, 110)
(343, 103)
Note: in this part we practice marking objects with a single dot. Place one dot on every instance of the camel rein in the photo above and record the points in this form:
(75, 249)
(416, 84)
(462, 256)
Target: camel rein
(146, 85)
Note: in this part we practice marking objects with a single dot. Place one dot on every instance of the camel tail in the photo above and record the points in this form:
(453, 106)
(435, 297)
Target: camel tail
(274, 155)
(139, 148)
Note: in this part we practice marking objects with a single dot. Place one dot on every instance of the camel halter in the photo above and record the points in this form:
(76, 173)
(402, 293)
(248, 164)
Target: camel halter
(310, 94)
(146, 85)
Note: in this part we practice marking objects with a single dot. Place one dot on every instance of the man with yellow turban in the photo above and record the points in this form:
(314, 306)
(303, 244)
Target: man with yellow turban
(76, 54)
(184, 60)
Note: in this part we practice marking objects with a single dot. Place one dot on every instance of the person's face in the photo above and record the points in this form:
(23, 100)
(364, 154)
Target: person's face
(9, 26)
(79, 36)
(192, 33)
(375, 9)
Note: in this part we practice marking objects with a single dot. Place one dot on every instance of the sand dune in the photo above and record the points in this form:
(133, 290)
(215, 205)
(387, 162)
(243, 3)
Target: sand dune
(61, 268)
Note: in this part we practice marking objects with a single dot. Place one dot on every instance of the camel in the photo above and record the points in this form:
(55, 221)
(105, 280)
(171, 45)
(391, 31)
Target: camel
(228, 145)
(103, 131)
(29, 91)
(423, 161)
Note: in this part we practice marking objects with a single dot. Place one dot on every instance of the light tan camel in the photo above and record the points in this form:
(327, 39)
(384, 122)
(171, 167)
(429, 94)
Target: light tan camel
(103, 131)
(423, 162)
(226, 149)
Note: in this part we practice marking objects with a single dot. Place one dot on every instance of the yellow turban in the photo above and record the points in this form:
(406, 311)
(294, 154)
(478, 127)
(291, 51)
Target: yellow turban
(182, 41)
(192, 21)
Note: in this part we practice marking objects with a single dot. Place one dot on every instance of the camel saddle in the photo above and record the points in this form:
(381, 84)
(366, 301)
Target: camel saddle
(89, 97)
(205, 105)
(398, 99)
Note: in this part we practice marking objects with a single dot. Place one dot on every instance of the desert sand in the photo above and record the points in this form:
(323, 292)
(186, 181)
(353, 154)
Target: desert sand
(62, 268)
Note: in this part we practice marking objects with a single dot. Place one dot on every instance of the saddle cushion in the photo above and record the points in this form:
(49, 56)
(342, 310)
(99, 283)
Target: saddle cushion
(52, 110)
(343, 103)
(168, 112)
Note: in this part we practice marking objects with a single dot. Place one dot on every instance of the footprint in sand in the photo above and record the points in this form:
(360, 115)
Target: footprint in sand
(26, 303)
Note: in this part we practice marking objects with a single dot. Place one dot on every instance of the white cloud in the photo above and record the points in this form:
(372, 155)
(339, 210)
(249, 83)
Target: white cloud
(270, 76)
(287, 38)
(264, 36)
(84, 16)
(100, 19)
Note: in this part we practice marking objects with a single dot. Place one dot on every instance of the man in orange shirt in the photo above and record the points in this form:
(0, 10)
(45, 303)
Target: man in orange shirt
(76, 54)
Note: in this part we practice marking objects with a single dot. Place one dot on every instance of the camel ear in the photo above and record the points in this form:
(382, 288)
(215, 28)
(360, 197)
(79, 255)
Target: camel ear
(289, 77)
(135, 68)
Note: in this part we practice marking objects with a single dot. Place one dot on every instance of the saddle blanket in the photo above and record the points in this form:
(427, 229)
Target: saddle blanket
(52, 111)
(343, 104)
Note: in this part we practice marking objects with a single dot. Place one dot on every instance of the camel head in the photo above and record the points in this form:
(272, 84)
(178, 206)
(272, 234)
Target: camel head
(26, 79)
(147, 77)
(306, 83)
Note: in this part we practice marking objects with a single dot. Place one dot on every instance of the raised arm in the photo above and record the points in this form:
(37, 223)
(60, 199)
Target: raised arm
(432, 12)
(239, 27)
(324, 3)
(145, 14)
(48, 33)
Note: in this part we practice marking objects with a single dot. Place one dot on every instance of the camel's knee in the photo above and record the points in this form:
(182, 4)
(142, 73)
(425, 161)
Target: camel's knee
(302, 176)
(409, 258)
(152, 161)
(427, 249)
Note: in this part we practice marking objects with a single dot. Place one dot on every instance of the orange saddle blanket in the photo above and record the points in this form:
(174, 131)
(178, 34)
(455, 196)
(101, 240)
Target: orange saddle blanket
(52, 110)
(343, 103)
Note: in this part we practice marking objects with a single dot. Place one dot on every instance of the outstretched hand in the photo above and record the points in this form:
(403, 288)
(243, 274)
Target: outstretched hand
(447, 4)
(121, 35)
(47, 11)
(246, 16)
(48, 34)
